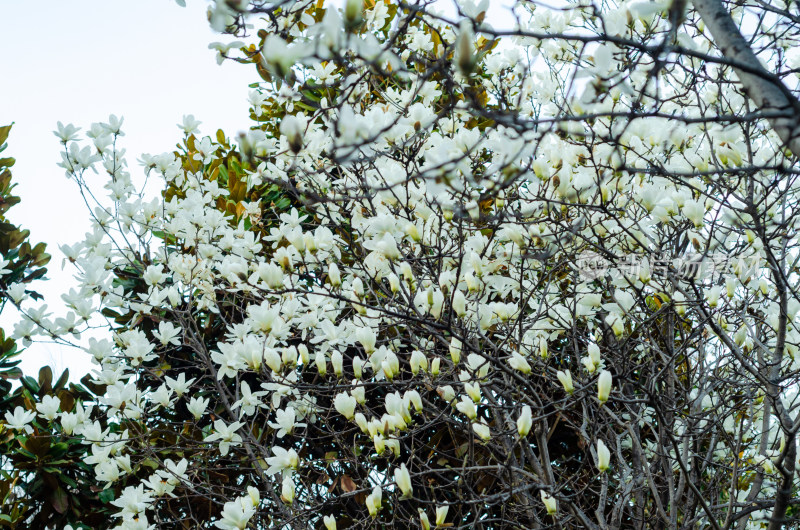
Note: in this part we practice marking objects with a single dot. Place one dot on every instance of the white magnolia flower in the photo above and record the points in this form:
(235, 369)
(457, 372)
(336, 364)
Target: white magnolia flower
(226, 434)
(604, 386)
(180, 385)
(132, 501)
(168, 333)
(197, 406)
(603, 456)
(373, 501)
(482, 430)
(285, 421)
(403, 480)
(20, 419)
(236, 514)
(525, 421)
(566, 380)
(284, 460)
(49, 407)
(441, 514)
(550, 503)
(345, 405)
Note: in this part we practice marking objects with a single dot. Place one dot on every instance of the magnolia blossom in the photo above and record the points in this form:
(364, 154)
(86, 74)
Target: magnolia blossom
(226, 434)
(20, 419)
(284, 460)
(525, 421)
(550, 503)
(285, 421)
(441, 514)
(467, 407)
(133, 501)
(374, 501)
(293, 127)
(603, 386)
(566, 380)
(482, 430)
(403, 480)
(345, 405)
(287, 490)
(48, 407)
(236, 514)
(197, 406)
(603, 456)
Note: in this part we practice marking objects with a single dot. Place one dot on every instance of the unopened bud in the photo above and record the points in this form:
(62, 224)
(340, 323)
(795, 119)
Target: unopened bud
(465, 51)
(353, 14)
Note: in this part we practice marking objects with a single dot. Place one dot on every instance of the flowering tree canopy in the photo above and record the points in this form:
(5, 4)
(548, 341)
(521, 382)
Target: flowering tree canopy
(466, 269)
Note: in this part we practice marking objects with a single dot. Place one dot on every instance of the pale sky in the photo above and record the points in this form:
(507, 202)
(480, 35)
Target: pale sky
(79, 61)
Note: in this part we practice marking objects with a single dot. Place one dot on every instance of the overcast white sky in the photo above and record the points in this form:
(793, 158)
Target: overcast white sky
(79, 61)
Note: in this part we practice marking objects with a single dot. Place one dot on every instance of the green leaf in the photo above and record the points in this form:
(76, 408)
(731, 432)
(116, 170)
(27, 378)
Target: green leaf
(67, 400)
(60, 500)
(106, 496)
(98, 390)
(62, 380)
(223, 171)
(4, 130)
(221, 138)
(46, 379)
(38, 445)
(58, 450)
(30, 383)
(68, 481)
(13, 373)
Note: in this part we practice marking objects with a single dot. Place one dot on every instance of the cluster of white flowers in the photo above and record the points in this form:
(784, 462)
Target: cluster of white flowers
(422, 280)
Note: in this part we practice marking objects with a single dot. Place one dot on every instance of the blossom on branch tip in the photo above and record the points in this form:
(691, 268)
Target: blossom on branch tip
(20, 419)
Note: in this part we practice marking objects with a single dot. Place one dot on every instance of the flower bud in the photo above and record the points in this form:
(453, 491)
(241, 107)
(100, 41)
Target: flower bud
(321, 362)
(525, 421)
(361, 421)
(604, 386)
(550, 503)
(403, 480)
(459, 303)
(287, 490)
(358, 367)
(418, 362)
(423, 520)
(353, 14)
(603, 456)
(455, 350)
(345, 405)
(374, 501)
(302, 349)
(441, 514)
(337, 361)
(334, 276)
(566, 380)
(435, 363)
(293, 128)
(465, 50)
